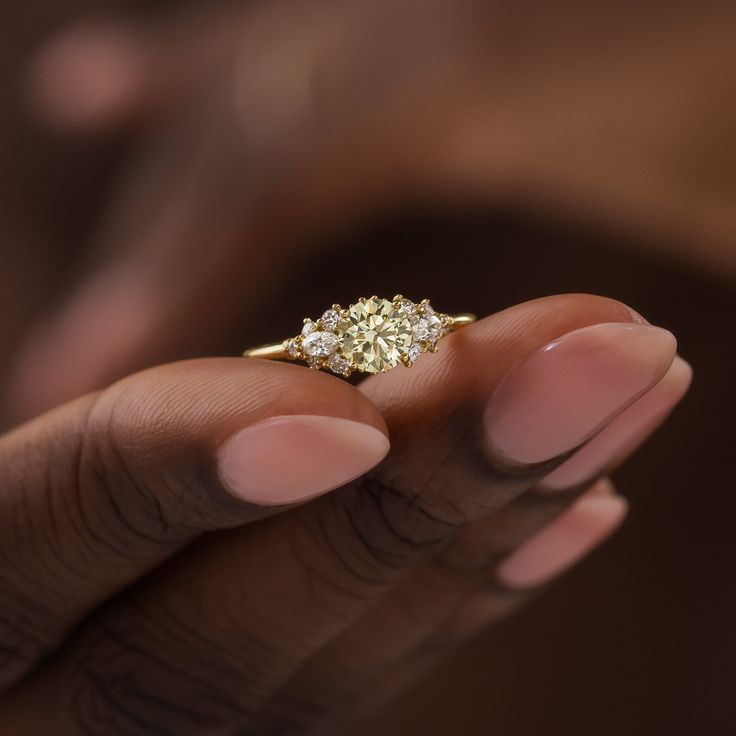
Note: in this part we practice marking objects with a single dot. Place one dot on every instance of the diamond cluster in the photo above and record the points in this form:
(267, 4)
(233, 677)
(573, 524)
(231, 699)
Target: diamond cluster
(371, 336)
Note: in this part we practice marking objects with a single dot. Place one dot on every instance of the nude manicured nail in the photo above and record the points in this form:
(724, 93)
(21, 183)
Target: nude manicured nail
(565, 541)
(287, 459)
(565, 393)
(625, 433)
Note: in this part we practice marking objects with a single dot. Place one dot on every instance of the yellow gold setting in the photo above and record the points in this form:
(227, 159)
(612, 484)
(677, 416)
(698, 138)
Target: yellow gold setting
(373, 335)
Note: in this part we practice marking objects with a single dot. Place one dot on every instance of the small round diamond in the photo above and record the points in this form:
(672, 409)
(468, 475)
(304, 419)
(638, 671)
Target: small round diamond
(414, 352)
(293, 348)
(330, 319)
(407, 306)
(309, 328)
(338, 364)
(321, 344)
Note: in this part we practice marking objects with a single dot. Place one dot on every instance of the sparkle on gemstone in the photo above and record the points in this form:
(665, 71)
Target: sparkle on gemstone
(338, 364)
(414, 352)
(421, 330)
(330, 319)
(320, 344)
(309, 328)
(293, 348)
(377, 335)
(427, 328)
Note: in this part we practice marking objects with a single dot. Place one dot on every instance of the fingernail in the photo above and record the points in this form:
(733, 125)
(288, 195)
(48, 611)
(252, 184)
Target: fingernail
(625, 433)
(287, 459)
(565, 393)
(569, 538)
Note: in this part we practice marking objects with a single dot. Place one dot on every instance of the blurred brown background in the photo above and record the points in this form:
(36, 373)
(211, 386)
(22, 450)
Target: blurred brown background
(598, 155)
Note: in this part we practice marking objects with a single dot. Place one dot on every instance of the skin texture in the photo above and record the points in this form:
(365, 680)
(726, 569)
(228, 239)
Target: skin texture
(171, 606)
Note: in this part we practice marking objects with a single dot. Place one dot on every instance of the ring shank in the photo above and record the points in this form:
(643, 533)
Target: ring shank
(460, 320)
(276, 351)
(271, 351)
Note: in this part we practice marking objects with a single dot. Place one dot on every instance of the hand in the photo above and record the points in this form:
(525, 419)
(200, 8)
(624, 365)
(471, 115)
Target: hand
(263, 126)
(229, 546)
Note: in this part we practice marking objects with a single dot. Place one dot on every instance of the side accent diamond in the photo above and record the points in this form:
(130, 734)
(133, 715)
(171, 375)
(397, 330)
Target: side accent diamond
(414, 352)
(321, 344)
(293, 348)
(330, 319)
(338, 364)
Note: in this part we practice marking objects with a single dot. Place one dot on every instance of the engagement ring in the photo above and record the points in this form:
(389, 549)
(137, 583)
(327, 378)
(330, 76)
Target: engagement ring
(371, 336)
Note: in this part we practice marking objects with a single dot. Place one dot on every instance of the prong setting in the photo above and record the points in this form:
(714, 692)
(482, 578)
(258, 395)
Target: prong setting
(373, 335)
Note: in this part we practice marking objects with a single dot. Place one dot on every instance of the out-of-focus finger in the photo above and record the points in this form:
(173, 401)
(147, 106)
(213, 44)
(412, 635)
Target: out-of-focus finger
(93, 75)
(181, 259)
(559, 545)
(555, 547)
(108, 72)
(190, 224)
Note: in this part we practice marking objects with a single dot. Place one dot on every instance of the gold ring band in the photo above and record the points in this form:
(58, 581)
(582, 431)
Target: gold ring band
(371, 336)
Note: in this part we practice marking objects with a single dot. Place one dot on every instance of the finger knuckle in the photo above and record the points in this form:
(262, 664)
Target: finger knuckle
(362, 537)
(398, 523)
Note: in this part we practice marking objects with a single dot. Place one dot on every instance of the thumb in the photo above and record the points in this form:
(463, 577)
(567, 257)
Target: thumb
(99, 491)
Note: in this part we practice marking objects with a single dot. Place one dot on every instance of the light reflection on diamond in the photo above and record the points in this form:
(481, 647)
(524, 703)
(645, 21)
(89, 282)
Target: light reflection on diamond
(378, 335)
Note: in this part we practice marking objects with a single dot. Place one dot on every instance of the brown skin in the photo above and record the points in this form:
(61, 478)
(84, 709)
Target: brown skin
(171, 608)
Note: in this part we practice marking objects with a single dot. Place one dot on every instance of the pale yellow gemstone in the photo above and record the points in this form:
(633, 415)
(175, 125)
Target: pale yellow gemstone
(376, 335)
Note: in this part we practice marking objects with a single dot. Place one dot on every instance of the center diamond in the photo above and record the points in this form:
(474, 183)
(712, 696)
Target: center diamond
(377, 335)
